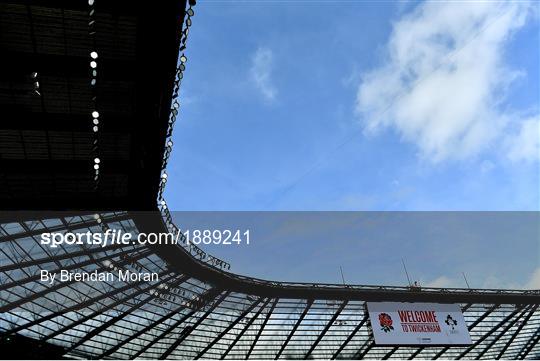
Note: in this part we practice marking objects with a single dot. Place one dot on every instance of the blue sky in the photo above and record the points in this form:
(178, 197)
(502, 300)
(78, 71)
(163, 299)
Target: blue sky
(372, 106)
(493, 249)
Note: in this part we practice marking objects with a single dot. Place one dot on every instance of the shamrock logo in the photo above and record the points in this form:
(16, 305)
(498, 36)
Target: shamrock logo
(450, 321)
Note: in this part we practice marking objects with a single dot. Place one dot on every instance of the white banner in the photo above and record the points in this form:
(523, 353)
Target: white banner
(400, 323)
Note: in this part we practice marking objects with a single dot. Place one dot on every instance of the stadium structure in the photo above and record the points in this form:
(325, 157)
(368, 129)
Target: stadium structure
(88, 102)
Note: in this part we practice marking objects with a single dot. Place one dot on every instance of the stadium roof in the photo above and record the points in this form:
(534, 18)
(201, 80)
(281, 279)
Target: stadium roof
(46, 133)
(196, 308)
(189, 313)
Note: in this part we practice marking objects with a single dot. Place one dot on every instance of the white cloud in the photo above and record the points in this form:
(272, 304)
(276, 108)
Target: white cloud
(261, 71)
(525, 145)
(441, 282)
(533, 282)
(443, 82)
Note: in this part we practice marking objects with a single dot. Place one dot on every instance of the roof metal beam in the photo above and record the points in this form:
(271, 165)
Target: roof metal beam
(211, 293)
(486, 335)
(38, 261)
(19, 65)
(295, 327)
(27, 216)
(368, 345)
(526, 349)
(68, 268)
(354, 332)
(38, 216)
(59, 166)
(186, 332)
(84, 304)
(226, 330)
(415, 353)
(326, 328)
(518, 330)
(59, 285)
(141, 332)
(246, 327)
(262, 328)
(120, 316)
(107, 308)
(64, 122)
(502, 333)
(390, 353)
(113, 8)
(83, 200)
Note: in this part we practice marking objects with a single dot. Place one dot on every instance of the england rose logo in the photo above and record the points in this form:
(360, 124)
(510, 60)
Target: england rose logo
(386, 322)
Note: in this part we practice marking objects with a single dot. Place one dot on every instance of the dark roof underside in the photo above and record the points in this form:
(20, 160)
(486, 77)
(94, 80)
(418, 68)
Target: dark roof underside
(46, 140)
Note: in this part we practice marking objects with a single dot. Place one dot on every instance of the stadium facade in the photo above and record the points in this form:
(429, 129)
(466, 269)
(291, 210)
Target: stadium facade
(89, 99)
